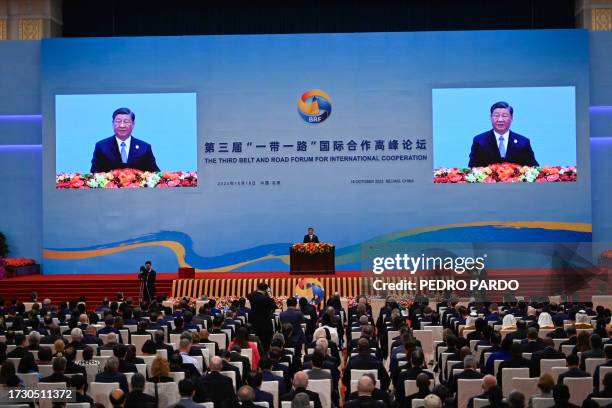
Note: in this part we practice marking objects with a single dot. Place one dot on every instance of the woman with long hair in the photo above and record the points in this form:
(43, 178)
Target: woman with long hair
(160, 370)
(242, 340)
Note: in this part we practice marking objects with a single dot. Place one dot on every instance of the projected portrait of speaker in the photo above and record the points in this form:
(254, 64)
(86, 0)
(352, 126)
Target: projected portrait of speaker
(500, 144)
(122, 150)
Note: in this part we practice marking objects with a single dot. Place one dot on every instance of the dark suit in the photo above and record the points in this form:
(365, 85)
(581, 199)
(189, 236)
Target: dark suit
(148, 284)
(364, 402)
(110, 377)
(368, 362)
(485, 150)
(314, 239)
(295, 318)
(593, 353)
(464, 375)
(547, 354)
(263, 396)
(56, 378)
(511, 363)
(268, 376)
(138, 399)
(217, 388)
(572, 373)
(262, 307)
(107, 157)
(313, 396)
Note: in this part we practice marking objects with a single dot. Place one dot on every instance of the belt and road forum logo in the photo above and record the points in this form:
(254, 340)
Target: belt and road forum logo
(314, 106)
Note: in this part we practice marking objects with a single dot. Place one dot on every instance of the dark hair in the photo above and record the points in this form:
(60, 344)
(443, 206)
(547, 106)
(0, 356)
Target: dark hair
(138, 381)
(317, 359)
(45, 354)
(186, 387)
(125, 111)
(262, 286)
(87, 353)
(572, 360)
(495, 394)
(254, 379)
(265, 364)
(27, 364)
(120, 351)
(502, 105)
(77, 381)
(561, 393)
(291, 302)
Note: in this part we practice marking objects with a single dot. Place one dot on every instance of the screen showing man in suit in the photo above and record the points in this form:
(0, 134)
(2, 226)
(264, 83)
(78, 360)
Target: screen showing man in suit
(531, 136)
(500, 144)
(85, 159)
(122, 150)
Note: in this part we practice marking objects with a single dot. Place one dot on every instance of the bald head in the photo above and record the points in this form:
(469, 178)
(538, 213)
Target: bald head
(465, 351)
(246, 393)
(300, 380)
(216, 363)
(365, 386)
(488, 381)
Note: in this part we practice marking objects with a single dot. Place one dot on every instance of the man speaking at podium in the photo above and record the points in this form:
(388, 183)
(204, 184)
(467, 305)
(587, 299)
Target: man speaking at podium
(311, 237)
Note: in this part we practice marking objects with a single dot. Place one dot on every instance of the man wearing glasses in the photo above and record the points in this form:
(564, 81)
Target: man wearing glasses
(122, 150)
(500, 144)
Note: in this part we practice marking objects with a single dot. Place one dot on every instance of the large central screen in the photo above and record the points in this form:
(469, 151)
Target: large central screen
(365, 137)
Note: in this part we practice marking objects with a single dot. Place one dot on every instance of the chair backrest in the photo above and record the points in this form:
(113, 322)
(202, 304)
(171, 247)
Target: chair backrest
(603, 402)
(546, 365)
(230, 374)
(148, 361)
(30, 379)
(567, 349)
(47, 403)
(556, 372)
(99, 392)
(45, 370)
(239, 365)
(125, 336)
(167, 393)
(591, 364)
(467, 389)
(443, 359)
(473, 344)
(106, 353)
(218, 338)
(538, 402)
(178, 376)
(323, 388)
(602, 374)
(248, 353)
(103, 337)
(527, 386)
(496, 364)
(262, 404)
(15, 361)
(437, 332)
(579, 388)
(212, 405)
(128, 377)
(543, 332)
(142, 369)
(78, 405)
(417, 403)
(356, 374)
(162, 353)
(480, 402)
(390, 335)
(272, 388)
(175, 339)
(92, 370)
(508, 374)
(138, 340)
(527, 356)
(426, 339)
(410, 387)
(558, 343)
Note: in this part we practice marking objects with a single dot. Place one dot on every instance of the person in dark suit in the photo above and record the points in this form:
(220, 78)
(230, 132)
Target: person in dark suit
(574, 371)
(295, 318)
(300, 382)
(254, 380)
(111, 374)
(516, 361)
(79, 383)
(364, 361)
(137, 398)
(266, 372)
(262, 307)
(532, 343)
(469, 373)
(365, 399)
(59, 366)
(310, 236)
(500, 144)
(596, 351)
(147, 277)
(417, 362)
(215, 387)
(122, 150)
(21, 349)
(488, 381)
(548, 353)
(608, 363)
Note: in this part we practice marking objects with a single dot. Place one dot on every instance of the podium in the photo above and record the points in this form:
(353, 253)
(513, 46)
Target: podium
(312, 259)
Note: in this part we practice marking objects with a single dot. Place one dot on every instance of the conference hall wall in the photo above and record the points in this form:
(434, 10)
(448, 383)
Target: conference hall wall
(365, 137)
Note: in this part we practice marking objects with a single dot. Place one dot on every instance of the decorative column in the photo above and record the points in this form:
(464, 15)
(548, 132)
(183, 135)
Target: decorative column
(30, 19)
(594, 15)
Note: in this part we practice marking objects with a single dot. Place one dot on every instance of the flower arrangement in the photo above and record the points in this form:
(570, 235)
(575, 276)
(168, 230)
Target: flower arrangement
(403, 301)
(191, 302)
(126, 178)
(222, 302)
(18, 262)
(312, 248)
(505, 173)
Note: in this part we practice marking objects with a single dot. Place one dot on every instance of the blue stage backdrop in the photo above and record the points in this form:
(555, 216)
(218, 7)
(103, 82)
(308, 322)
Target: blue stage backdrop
(331, 131)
